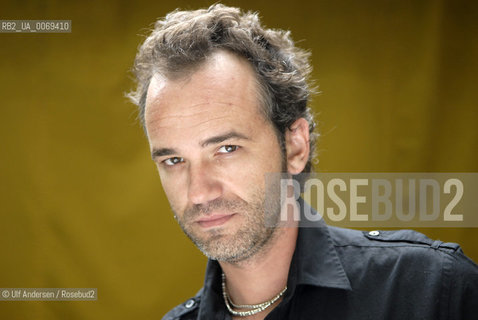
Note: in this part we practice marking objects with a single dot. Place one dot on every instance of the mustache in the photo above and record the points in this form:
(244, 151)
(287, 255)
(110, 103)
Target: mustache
(219, 204)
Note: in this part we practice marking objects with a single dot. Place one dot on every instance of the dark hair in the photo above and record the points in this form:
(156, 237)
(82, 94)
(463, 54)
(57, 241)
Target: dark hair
(184, 39)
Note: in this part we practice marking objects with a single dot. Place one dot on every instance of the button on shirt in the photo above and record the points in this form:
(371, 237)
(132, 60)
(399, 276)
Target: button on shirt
(340, 273)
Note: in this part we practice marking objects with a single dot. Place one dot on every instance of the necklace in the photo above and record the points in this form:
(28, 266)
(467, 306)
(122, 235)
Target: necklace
(253, 308)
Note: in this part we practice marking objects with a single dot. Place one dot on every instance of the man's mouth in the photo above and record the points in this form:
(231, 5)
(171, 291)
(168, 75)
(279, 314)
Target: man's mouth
(214, 220)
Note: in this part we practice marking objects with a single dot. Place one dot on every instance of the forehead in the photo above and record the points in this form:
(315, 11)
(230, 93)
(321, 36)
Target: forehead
(222, 92)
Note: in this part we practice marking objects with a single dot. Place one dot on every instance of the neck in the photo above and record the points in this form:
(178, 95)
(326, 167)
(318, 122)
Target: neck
(265, 274)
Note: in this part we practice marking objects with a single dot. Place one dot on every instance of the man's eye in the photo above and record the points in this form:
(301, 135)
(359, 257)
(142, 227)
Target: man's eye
(173, 161)
(227, 149)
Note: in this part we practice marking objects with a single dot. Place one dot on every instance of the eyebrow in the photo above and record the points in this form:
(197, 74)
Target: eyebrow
(160, 152)
(223, 137)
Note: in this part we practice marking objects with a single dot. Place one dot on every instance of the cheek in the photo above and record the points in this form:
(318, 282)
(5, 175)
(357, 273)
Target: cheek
(248, 175)
(175, 193)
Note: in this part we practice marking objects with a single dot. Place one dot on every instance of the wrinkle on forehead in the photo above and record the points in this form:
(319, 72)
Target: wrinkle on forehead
(192, 111)
(201, 114)
(159, 112)
(201, 124)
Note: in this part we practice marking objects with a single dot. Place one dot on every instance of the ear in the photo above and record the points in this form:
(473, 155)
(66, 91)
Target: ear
(297, 146)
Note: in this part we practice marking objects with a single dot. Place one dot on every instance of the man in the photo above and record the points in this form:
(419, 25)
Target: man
(224, 102)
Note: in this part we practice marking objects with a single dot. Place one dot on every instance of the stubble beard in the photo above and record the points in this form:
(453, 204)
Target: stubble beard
(252, 235)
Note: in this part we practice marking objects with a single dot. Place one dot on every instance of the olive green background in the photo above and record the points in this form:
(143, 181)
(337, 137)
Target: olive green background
(81, 204)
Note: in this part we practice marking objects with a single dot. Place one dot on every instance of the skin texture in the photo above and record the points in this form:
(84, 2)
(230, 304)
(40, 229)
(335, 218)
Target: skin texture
(213, 147)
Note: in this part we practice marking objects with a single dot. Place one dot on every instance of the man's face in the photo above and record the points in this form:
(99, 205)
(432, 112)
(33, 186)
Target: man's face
(213, 147)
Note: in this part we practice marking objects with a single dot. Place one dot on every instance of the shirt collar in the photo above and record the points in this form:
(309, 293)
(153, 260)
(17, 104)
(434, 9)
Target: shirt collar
(315, 260)
(212, 302)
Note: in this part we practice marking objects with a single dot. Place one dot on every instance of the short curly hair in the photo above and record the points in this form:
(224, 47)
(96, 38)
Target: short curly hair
(184, 39)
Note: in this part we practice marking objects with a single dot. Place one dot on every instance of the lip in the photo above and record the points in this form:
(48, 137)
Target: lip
(214, 220)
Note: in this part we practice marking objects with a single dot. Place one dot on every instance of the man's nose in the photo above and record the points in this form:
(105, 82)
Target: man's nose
(203, 184)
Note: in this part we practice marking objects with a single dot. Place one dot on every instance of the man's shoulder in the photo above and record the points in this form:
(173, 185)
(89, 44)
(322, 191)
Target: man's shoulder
(187, 310)
(414, 265)
(404, 246)
(388, 238)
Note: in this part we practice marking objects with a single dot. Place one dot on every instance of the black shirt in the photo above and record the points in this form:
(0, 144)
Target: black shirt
(340, 273)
